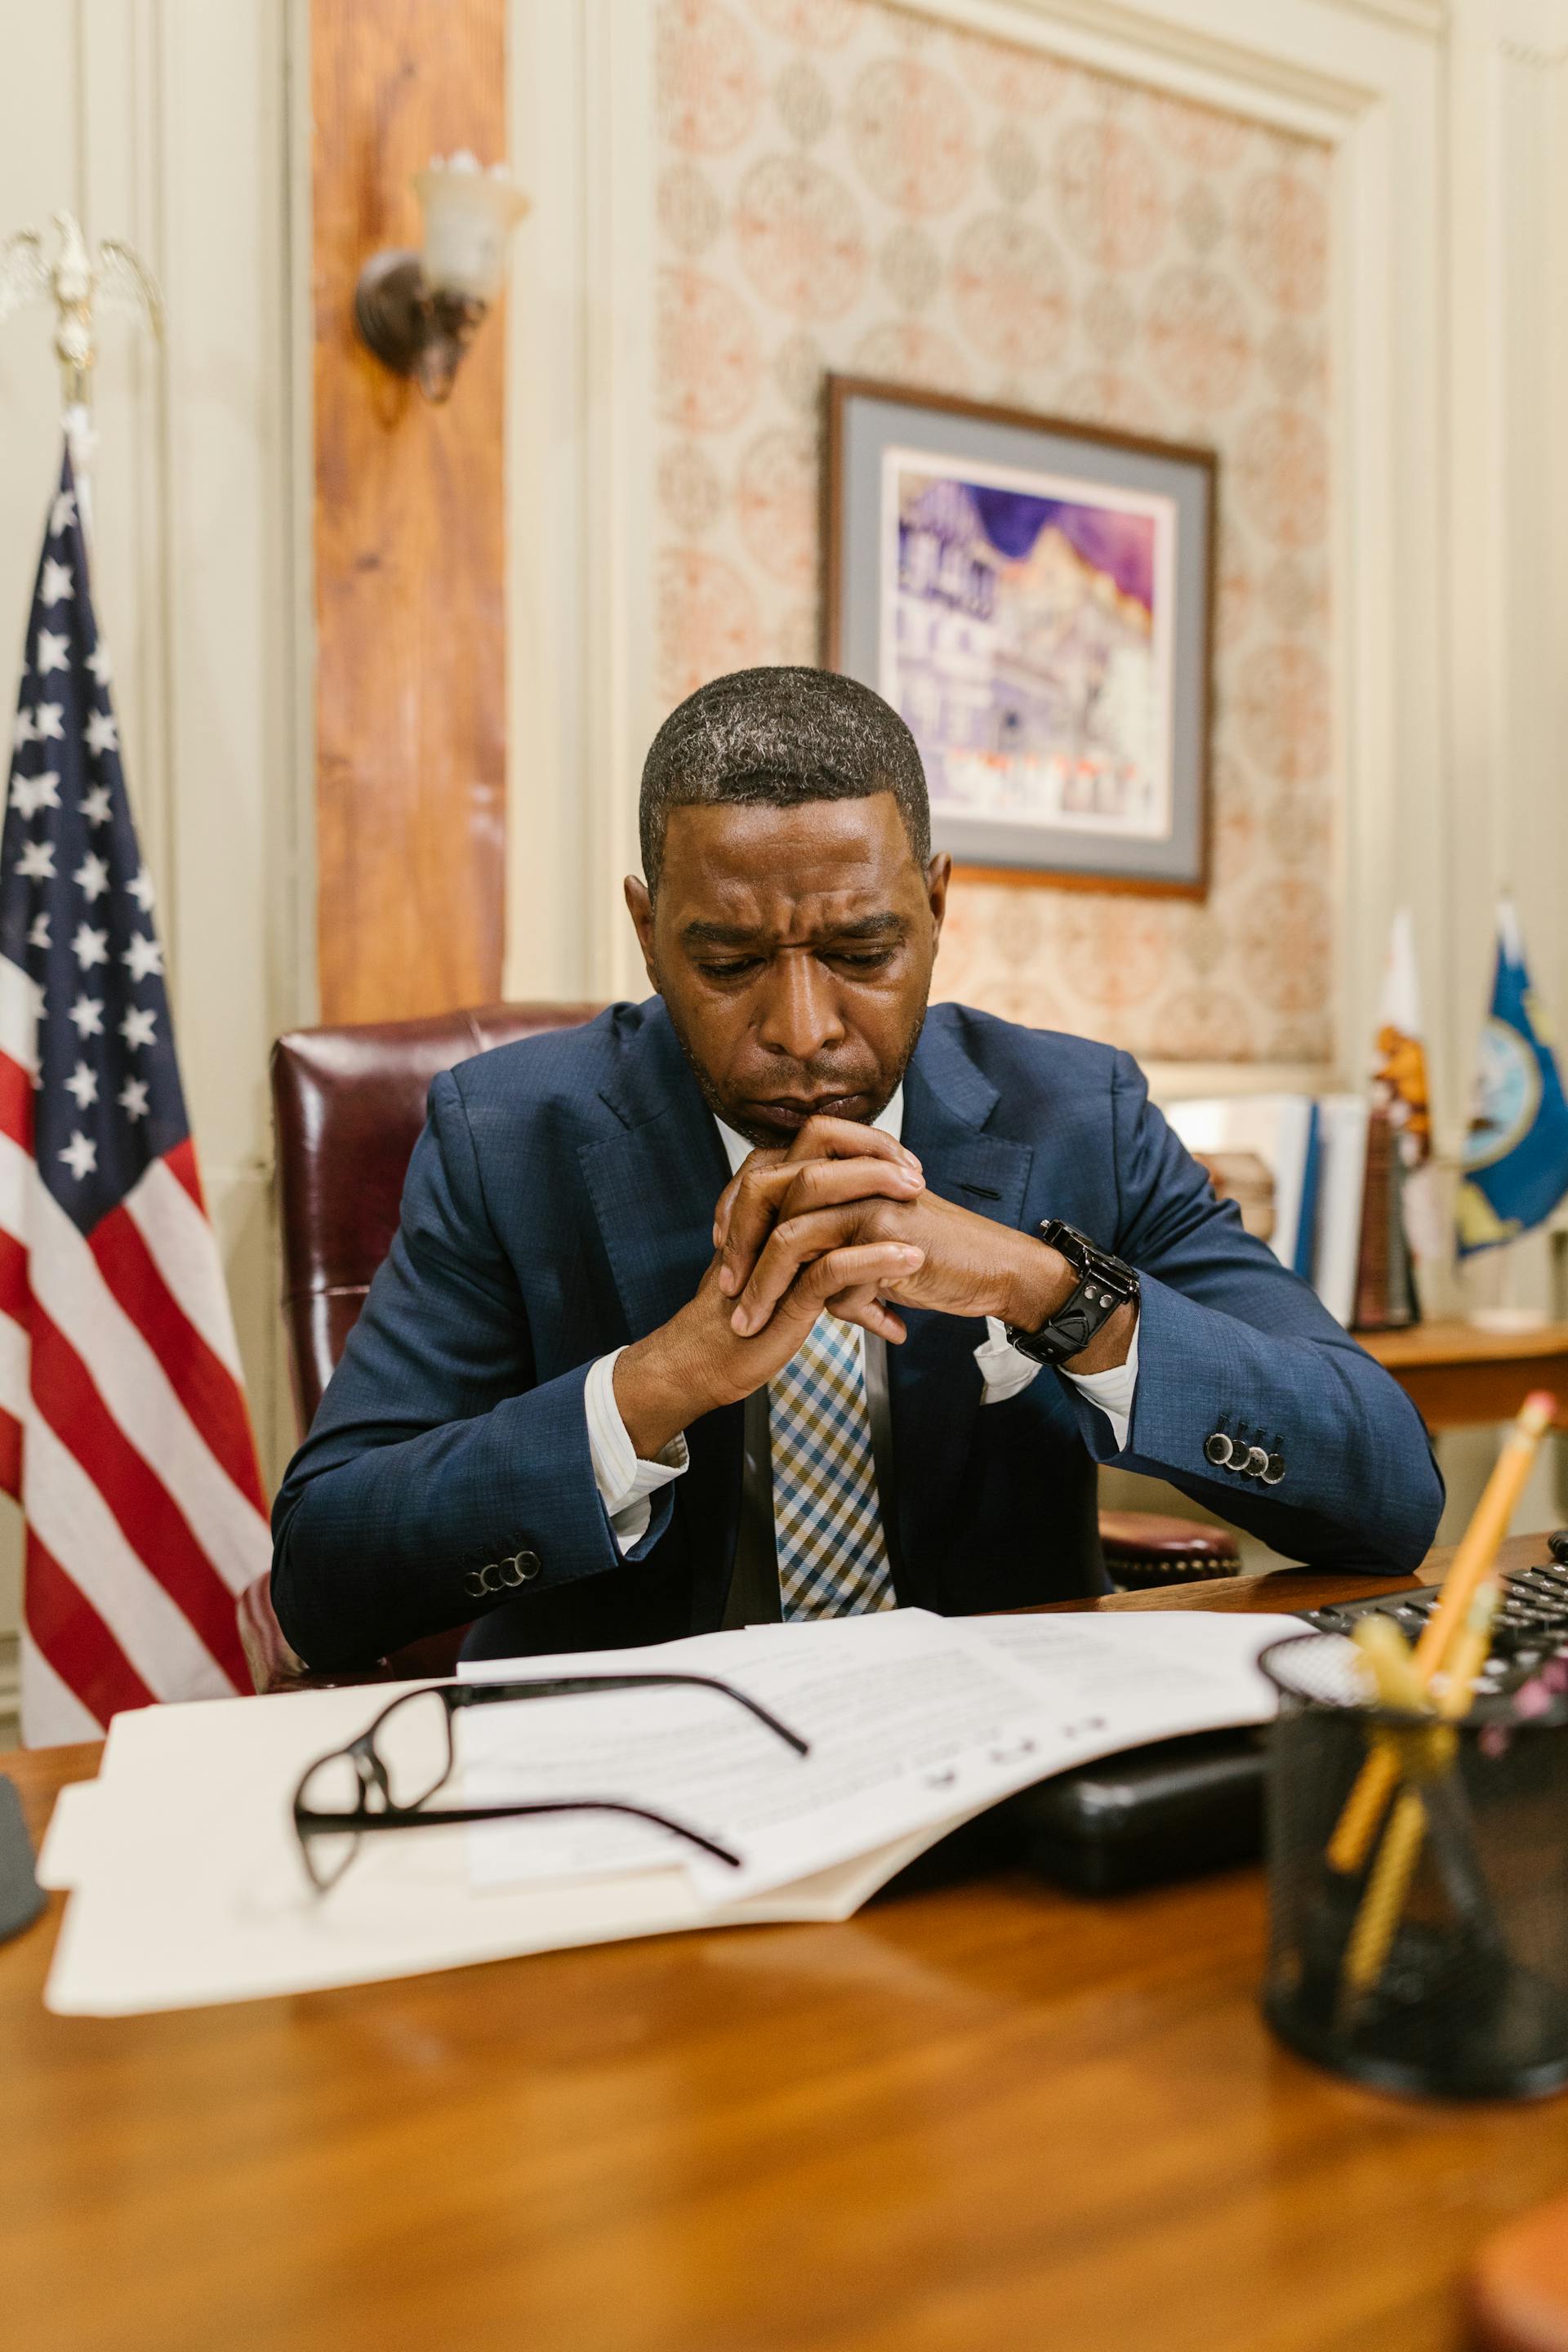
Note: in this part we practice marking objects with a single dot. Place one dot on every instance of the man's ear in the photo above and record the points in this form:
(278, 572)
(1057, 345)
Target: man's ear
(640, 907)
(939, 873)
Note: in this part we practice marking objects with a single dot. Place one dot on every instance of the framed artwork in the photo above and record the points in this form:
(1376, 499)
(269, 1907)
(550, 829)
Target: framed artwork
(1037, 600)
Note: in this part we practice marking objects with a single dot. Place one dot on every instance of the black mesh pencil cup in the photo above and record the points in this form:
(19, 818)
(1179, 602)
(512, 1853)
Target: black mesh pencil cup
(1417, 1882)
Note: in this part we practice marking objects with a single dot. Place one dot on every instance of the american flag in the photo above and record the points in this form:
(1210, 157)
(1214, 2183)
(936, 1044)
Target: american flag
(124, 1432)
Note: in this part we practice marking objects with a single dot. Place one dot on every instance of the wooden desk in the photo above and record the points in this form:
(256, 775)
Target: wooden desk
(1519, 2288)
(990, 2115)
(1456, 1375)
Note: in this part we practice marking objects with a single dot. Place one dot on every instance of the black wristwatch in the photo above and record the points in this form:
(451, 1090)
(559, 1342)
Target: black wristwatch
(1104, 1284)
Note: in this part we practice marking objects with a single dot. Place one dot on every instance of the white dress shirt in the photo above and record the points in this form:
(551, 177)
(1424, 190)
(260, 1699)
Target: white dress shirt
(625, 1481)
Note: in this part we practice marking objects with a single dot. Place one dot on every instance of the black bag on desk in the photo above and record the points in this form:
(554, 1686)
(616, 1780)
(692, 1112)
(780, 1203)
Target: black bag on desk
(1169, 1810)
(21, 1897)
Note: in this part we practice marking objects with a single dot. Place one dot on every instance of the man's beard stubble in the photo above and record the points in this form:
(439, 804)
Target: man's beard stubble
(804, 1077)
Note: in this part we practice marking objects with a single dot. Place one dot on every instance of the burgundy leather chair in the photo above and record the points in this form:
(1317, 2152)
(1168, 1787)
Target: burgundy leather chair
(348, 1105)
(347, 1108)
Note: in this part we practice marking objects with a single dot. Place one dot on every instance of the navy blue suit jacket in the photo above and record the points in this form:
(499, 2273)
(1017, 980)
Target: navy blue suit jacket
(560, 1202)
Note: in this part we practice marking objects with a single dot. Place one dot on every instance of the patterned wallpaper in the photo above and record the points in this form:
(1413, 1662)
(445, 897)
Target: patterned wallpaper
(846, 186)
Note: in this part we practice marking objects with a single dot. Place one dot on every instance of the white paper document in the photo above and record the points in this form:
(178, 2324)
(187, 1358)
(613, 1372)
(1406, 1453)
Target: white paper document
(185, 1874)
(910, 1720)
(1135, 1676)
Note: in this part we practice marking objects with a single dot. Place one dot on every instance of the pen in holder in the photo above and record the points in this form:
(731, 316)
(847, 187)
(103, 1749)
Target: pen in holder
(1440, 1964)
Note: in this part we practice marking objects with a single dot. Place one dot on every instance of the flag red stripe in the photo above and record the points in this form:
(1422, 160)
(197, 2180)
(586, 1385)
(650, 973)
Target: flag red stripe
(15, 1296)
(206, 1388)
(181, 1162)
(68, 1288)
(75, 1640)
(10, 1455)
(156, 1531)
(15, 1102)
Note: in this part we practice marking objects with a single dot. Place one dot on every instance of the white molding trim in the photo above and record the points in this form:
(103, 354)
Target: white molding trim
(546, 471)
(1170, 1082)
(296, 892)
(619, 385)
(579, 491)
(1429, 17)
(1192, 49)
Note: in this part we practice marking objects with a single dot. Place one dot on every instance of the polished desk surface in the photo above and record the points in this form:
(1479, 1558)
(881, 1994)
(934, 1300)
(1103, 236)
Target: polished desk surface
(1456, 1374)
(988, 2114)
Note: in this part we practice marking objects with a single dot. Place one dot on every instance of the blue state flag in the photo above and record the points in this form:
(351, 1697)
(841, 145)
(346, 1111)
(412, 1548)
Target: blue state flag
(1516, 1153)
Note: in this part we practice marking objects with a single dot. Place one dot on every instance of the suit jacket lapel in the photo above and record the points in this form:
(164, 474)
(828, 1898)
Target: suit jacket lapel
(934, 1384)
(652, 1184)
(653, 1180)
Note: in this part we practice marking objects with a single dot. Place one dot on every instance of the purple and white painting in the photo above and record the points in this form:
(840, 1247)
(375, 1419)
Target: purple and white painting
(1026, 638)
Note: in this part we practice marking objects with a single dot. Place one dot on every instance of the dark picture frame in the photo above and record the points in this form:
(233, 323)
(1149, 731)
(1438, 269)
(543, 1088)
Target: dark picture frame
(1037, 597)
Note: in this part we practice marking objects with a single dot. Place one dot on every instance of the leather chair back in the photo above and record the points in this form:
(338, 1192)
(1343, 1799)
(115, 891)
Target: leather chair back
(349, 1104)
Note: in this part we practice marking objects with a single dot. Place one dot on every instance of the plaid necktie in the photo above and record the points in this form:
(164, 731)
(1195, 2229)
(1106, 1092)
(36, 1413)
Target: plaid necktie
(833, 1558)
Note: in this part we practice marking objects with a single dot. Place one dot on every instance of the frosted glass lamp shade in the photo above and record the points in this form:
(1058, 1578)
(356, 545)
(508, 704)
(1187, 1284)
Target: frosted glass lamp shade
(469, 215)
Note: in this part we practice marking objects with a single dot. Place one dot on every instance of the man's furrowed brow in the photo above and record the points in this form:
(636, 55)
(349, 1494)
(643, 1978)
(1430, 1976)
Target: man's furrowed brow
(871, 926)
(700, 934)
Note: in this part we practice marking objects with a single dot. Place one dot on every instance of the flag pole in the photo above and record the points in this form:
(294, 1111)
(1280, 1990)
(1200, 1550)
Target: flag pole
(76, 352)
(81, 440)
(77, 282)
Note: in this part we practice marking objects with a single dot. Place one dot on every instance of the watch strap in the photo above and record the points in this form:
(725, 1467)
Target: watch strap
(1104, 1284)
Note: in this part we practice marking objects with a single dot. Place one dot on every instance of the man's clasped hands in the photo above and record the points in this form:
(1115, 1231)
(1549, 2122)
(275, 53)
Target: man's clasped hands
(843, 1221)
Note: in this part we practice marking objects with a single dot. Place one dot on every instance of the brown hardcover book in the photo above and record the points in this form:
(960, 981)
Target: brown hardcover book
(1386, 1286)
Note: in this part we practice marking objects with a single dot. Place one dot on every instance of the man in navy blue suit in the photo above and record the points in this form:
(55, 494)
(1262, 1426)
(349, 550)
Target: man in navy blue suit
(780, 1295)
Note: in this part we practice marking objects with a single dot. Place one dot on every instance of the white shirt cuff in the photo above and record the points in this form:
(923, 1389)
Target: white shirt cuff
(624, 1481)
(1006, 1373)
(1113, 1391)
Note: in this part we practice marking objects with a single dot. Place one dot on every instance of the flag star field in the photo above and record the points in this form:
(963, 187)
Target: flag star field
(75, 908)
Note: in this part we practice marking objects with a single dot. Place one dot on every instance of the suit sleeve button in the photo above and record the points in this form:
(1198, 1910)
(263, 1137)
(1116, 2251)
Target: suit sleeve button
(1218, 1449)
(1256, 1461)
(519, 1568)
(478, 1579)
(1276, 1470)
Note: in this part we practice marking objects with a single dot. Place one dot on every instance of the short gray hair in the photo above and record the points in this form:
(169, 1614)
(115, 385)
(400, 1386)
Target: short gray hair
(776, 736)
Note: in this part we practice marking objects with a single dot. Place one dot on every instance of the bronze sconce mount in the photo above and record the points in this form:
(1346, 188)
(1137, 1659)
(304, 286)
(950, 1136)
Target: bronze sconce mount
(414, 329)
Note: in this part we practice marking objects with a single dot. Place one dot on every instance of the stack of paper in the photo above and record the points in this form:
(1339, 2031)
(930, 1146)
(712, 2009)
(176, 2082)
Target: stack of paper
(186, 1880)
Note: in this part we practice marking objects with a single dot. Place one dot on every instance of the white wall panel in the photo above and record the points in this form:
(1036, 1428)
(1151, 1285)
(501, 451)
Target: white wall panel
(164, 121)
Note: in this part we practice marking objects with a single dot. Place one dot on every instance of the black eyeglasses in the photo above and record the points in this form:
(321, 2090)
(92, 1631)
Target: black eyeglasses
(385, 1779)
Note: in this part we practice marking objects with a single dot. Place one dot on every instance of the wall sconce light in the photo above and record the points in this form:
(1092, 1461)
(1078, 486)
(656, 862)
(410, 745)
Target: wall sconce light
(418, 312)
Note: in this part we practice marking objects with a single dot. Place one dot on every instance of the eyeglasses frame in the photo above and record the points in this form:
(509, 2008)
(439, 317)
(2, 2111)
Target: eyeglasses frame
(370, 1770)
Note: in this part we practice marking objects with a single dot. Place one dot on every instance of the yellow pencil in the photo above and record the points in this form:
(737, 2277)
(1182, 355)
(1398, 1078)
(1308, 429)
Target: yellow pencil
(1477, 1550)
(1431, 1753)
(1388, 1653)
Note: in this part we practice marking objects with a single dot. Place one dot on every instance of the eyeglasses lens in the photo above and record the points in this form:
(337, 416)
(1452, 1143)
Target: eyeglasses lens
(332, 1788)
(414, 1745)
